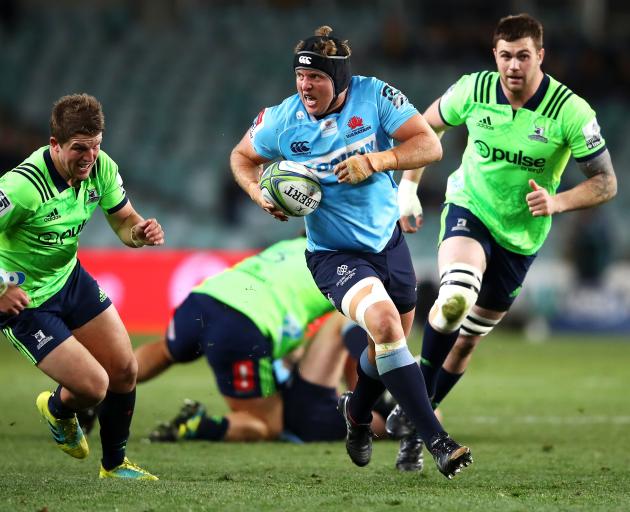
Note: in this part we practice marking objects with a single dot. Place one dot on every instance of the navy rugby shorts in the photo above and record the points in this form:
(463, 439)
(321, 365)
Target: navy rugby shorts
(35, 332)
(505, 270)
(310, 411)
(239, 354)
(335, 272)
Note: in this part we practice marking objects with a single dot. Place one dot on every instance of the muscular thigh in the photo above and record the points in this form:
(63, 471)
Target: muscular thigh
(106, 339)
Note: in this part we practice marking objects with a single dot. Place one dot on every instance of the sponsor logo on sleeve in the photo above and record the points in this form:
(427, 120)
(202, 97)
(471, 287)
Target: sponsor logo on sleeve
(397, 98)
(592, 134)
(258, 123)
(5, 204)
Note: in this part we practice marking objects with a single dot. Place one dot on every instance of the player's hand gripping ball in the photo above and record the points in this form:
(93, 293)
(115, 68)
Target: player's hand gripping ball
(292, 187)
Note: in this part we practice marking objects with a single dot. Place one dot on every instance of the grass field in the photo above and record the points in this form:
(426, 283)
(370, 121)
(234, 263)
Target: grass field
(549, 426)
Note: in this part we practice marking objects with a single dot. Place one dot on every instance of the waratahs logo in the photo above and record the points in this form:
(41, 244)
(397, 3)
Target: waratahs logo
(14, 278)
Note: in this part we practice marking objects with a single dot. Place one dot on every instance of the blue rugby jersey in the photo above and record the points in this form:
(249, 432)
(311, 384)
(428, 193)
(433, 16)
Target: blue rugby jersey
(350, 217)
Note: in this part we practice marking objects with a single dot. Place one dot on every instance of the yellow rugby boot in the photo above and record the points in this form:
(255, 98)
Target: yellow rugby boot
(66, 432)
(127, 470)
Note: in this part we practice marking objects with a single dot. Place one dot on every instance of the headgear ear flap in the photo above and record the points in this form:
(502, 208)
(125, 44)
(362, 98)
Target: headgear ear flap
(337, 67)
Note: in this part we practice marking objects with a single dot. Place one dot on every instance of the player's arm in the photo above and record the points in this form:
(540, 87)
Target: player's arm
(246, 165)
(408, 201)
(133, 230)
(600, 186)
(418, 146)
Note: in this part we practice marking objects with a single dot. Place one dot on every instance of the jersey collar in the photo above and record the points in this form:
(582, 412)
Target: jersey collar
(59, 182)
(533, 102)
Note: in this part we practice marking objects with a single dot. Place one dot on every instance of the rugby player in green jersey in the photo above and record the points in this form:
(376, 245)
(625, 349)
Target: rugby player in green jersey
(523, 126)
(244, 321)
(51, 309)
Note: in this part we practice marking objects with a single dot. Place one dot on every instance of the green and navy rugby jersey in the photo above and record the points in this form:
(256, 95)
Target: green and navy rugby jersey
(275, 290)
(41, 218)
(507, 148)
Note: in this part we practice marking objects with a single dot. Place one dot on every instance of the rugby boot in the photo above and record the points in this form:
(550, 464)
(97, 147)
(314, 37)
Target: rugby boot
(449, 456)
(358, 435)
(127, 469)
(409, 456)
(66, 432)
(398, 425)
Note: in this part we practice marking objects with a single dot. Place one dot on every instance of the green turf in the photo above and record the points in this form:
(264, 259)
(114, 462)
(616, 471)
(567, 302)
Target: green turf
(548, 424)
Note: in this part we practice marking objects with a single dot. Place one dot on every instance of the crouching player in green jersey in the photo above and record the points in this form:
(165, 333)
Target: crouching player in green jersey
(244, 321)
(522, 128)
(51, 309)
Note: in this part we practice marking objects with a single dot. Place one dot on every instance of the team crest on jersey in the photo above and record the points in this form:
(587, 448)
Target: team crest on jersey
(328, 127)
(538, 135)
(356, 126)
(258, 123)
(93, 196)
(5, 204)
(299, 115)
(592, 134)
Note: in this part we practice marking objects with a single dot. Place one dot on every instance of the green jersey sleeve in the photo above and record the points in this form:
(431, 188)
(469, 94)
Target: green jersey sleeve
(18, 199)
(110, 182)
(455, 102)
(580, 128)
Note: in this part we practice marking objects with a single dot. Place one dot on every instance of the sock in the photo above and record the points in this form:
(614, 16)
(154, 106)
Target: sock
(57, 407)
(115, 419)
(367, 391)
(444, 382)
(208, 428)
(403, 379)
(354, 339)
(435, 348)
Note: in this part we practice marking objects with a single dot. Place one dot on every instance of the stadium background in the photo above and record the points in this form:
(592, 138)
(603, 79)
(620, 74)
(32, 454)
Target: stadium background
(181, 81)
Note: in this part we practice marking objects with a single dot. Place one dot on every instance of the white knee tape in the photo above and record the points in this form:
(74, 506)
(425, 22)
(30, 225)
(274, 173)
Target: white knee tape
(459, 289)
(477, 325)
(376, 294)
(382, 348)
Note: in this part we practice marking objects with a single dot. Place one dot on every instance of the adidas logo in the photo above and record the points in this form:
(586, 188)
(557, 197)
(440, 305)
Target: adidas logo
(486, 123)
(54, 215)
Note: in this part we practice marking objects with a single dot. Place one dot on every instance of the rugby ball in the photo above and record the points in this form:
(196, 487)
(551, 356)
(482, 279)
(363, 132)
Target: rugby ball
(292, 187)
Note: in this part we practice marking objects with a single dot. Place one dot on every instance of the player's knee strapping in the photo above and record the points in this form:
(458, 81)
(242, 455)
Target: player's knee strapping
(459, 289)
(377, 294)
(390, 356)
(478, 325)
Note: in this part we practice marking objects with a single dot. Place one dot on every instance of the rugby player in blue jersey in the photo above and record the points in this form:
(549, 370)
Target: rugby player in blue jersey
(343, 128)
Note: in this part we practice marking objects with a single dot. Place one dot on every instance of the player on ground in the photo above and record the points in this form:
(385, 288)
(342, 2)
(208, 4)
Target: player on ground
(51, 309)
(245, 320)
(522, 128)
(343, 127)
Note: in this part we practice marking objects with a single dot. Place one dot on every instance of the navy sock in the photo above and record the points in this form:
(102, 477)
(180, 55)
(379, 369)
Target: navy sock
(115, 419)
(403, 379)
(435, 348)
(444, 382)
(354, 339)
(368, 390)
(210, 428)
(57, 407)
